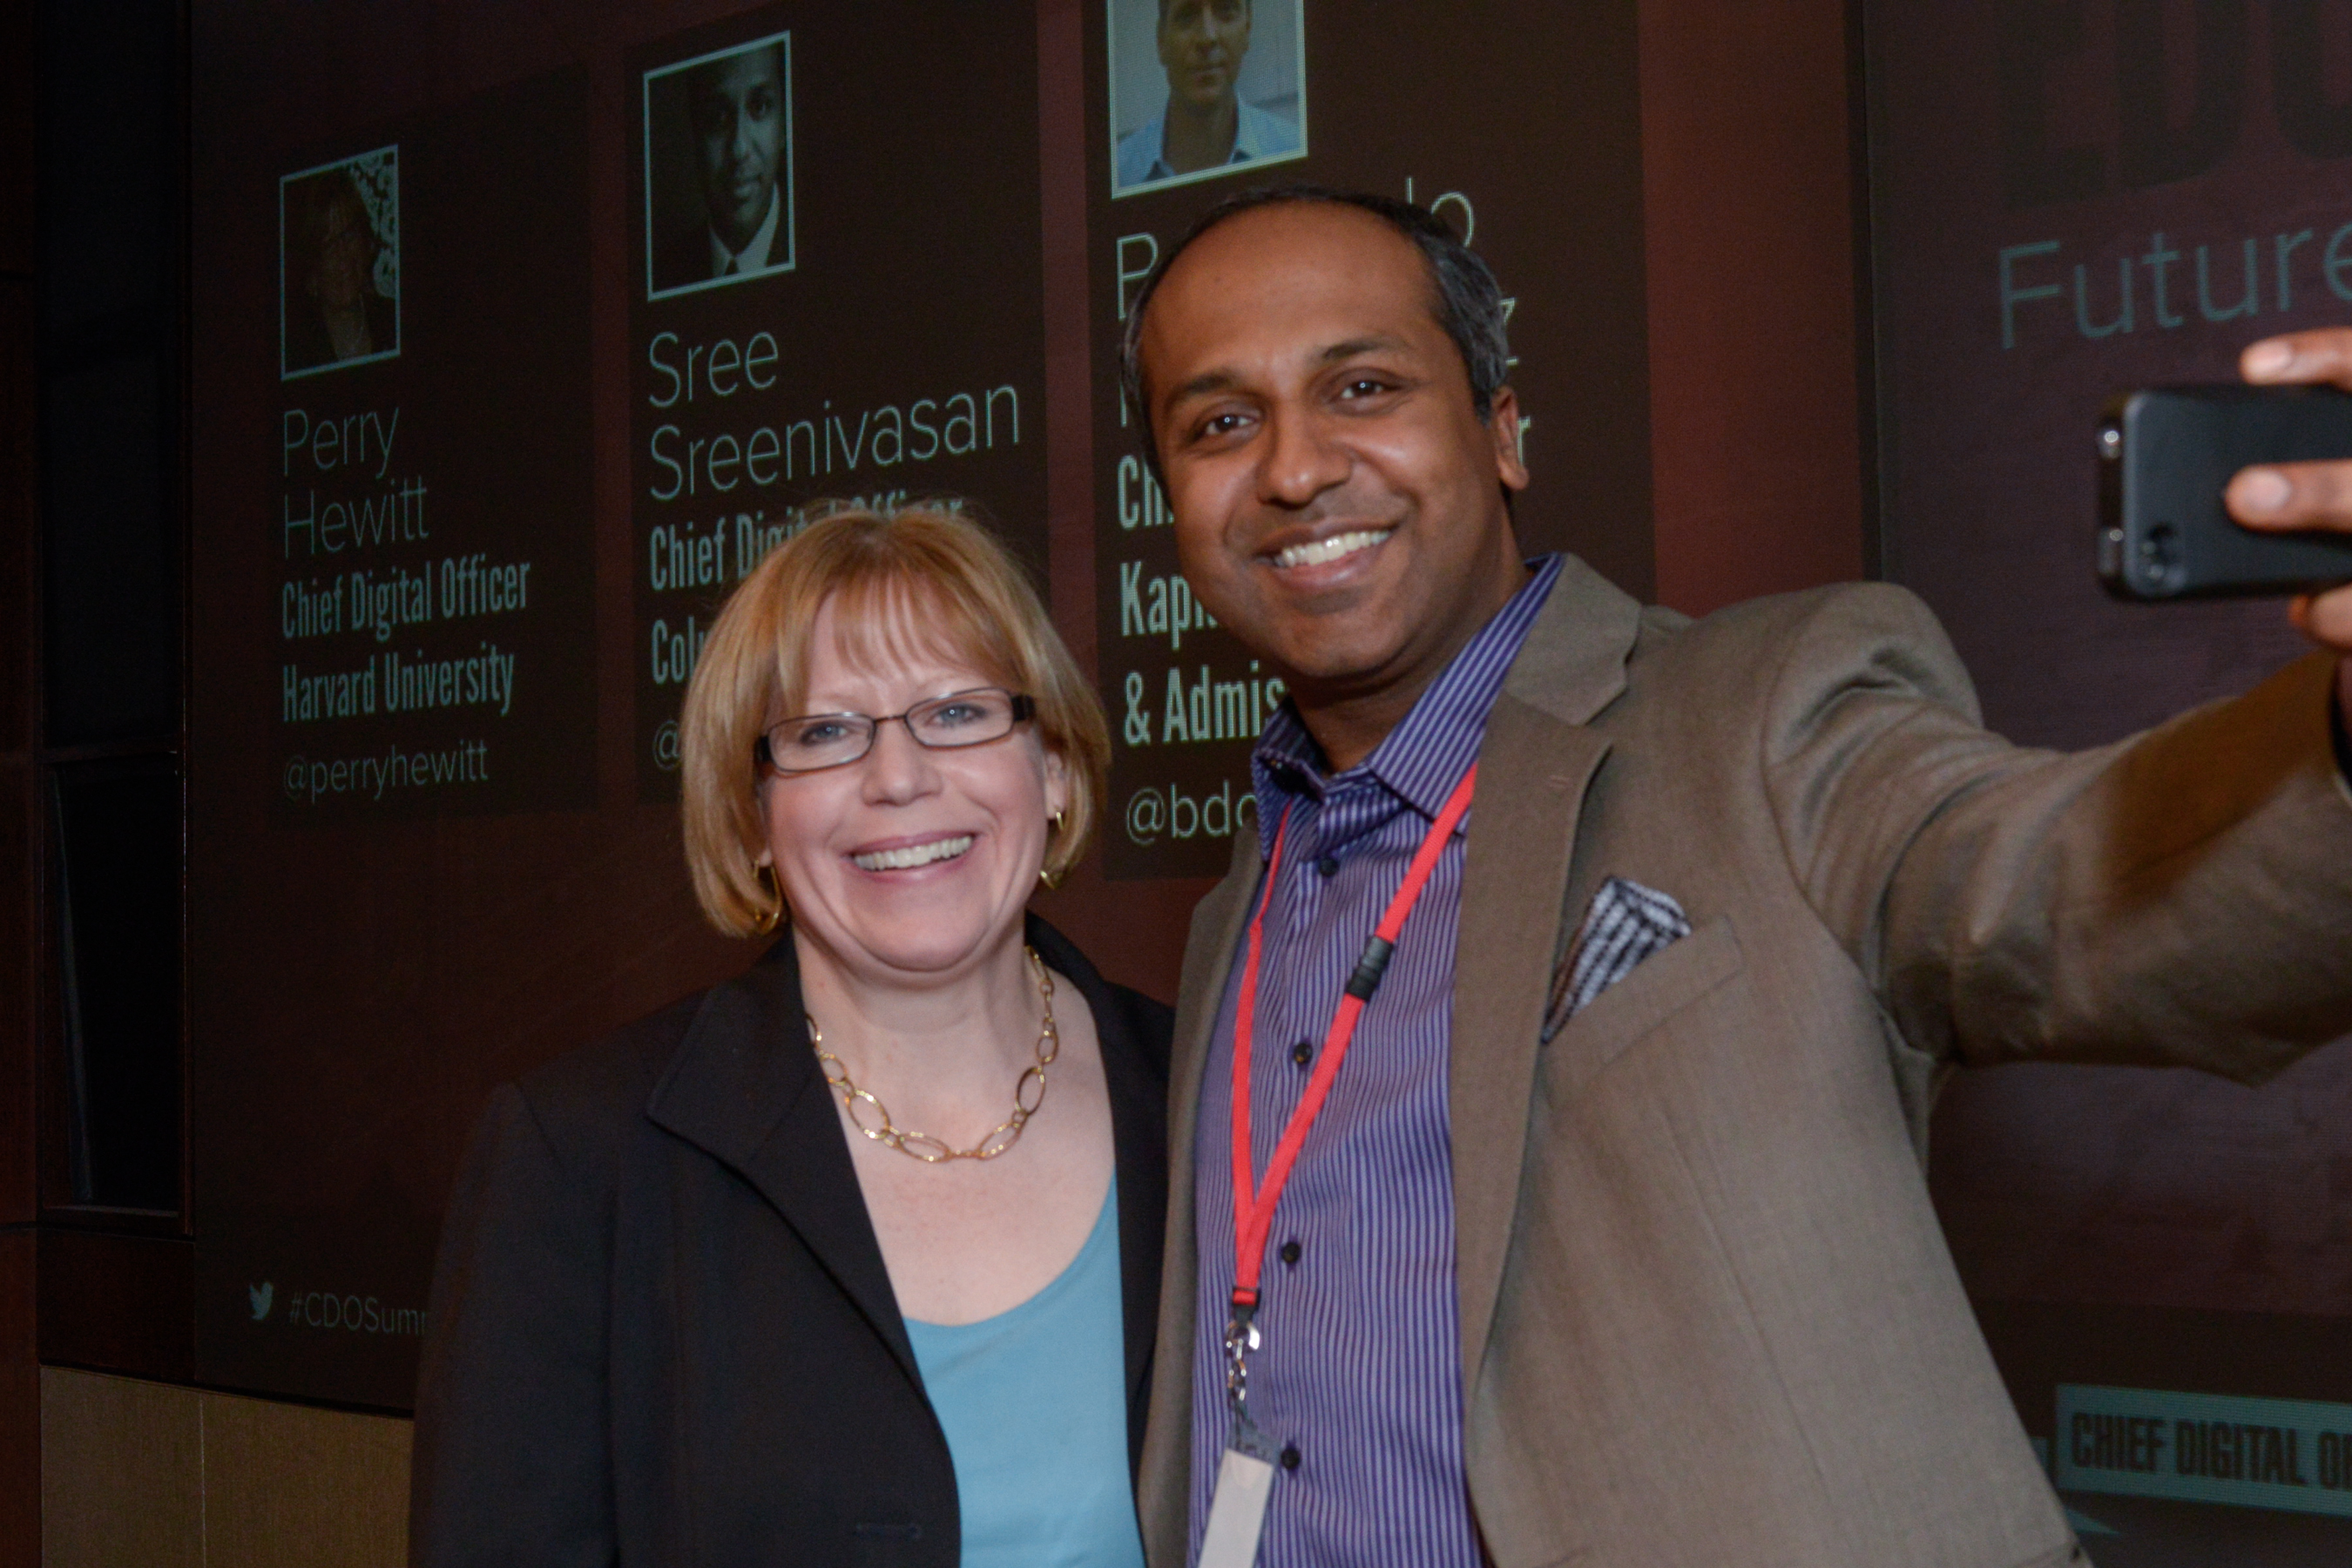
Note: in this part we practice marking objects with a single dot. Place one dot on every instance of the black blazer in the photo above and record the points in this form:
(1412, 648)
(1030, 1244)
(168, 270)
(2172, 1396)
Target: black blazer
(661, 1331)
(309, 345)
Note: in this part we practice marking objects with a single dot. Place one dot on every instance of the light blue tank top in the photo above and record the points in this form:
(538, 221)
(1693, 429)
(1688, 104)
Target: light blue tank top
(1034, 1402)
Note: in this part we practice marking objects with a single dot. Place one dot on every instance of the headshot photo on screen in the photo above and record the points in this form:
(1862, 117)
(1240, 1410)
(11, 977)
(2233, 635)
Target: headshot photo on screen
(338, 264)
(1205, 87)
(719, 167)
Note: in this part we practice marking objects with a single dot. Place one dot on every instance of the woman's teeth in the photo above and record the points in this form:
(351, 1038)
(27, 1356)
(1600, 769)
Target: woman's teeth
(913, 855)
(1317, 552)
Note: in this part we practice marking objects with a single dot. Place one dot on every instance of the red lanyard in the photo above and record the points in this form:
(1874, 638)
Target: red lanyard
(1254, 1212)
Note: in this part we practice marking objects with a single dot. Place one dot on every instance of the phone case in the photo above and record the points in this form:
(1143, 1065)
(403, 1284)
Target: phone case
(2166, 454)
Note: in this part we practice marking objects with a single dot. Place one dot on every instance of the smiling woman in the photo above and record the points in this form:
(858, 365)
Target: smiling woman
(932, 1323)
(874, 593)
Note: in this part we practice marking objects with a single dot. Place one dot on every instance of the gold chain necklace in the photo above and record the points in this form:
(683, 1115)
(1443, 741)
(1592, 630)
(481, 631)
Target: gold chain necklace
(1028, 1093)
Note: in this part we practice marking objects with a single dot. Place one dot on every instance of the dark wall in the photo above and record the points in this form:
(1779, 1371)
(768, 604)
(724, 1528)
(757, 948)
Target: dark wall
(20, 1403)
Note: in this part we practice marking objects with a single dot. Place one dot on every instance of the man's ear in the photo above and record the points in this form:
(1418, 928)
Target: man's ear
(1503, 424)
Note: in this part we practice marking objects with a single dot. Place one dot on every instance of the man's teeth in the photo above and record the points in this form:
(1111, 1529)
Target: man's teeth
(913, 855)
(1317, 552)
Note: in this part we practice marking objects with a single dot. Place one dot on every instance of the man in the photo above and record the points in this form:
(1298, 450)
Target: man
(1610, 1243)
(738, 106)
(1205, 125)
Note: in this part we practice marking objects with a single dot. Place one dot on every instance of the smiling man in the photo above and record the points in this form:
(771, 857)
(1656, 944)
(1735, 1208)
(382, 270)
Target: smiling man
(1645, 945)
(1205, 123)
(739, 106)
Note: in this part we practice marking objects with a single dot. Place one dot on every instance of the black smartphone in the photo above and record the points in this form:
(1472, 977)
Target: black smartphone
(2166, 454)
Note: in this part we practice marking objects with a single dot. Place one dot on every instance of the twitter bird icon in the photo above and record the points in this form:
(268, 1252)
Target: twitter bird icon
(260, 1296)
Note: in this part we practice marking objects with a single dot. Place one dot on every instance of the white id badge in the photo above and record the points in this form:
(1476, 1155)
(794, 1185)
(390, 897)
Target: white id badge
(1237, 1513)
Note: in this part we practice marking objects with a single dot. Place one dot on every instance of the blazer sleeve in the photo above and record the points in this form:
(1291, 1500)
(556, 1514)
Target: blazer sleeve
(2182, 897)
(512, 1459)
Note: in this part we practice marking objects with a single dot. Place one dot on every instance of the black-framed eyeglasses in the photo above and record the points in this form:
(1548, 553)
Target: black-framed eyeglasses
(815, 742)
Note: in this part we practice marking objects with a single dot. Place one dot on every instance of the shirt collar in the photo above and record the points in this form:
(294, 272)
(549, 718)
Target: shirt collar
(1248, 128)
(1426, 754)
(753, 258)
(1248, 140)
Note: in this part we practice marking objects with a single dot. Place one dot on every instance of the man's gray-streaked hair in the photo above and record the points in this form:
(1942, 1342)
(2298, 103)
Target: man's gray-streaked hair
(1465, 297)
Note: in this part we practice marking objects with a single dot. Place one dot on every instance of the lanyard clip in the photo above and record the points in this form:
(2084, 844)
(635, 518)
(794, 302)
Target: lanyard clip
(1240, 1337)
(1370, 967)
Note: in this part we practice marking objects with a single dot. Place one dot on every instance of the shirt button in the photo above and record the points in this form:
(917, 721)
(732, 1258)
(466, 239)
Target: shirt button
(1303, 1052)
(1290, 1456)
(1328, 866)
(1290, 1253)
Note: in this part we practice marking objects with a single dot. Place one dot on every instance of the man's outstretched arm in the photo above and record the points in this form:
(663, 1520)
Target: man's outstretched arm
(2182, 897)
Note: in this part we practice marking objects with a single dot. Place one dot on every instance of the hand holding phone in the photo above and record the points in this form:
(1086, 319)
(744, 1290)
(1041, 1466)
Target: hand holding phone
(2307, 494)
(2168, 455)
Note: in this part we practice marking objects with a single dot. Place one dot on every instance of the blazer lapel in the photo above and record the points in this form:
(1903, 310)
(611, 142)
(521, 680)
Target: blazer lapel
(744, 1087)
(1217, 921)
(1138, 1117)
(1534, 767)
(1163, 1501)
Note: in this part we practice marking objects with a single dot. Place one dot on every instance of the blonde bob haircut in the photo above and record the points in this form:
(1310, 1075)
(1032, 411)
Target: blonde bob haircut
(921, 578)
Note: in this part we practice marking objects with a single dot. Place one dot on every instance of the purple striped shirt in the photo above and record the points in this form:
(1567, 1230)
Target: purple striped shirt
(1359, 1380)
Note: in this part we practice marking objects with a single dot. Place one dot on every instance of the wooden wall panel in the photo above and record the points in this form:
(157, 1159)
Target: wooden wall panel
(1754, 397)
(154, 1475)
(288, 1486)
(121, 1478)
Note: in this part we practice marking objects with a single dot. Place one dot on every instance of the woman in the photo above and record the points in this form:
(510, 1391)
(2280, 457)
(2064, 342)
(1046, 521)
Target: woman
(853, 1259)
(347, 319)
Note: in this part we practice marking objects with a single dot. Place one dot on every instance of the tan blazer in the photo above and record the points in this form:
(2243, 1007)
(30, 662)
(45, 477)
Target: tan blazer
(1707, 1316)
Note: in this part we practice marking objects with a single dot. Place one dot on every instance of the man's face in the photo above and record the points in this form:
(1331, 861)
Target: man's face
(738, 116)
(1338, 503)
(1201, 43)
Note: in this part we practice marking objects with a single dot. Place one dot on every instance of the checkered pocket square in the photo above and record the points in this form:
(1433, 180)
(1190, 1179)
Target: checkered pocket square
(1627, 923)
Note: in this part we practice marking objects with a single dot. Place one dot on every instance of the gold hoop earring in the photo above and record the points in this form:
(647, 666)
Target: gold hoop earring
(1046, 877)
(769, 920)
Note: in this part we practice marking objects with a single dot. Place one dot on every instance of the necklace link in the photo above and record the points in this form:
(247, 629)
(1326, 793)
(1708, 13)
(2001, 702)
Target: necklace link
(872, 1118)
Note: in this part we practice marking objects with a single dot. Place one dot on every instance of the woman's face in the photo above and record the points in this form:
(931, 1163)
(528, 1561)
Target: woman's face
(346, 255)
(828, 831)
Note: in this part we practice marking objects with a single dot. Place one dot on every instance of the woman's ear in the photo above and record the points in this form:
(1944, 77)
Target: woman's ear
(1057, 784)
